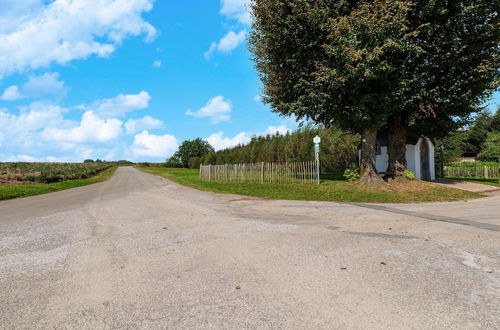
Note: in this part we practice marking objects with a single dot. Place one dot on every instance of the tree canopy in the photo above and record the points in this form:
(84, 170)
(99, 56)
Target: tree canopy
(331, 61)
(364, 64)
(191, 152)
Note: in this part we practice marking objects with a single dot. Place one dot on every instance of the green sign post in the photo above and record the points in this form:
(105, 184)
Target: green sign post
(317, 141)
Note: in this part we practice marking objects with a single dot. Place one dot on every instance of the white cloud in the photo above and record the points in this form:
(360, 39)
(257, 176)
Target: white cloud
(157, 64)
(237, 9)
(12, 93)
(36, 86)
(15, 12)
(227, 44)
(133, 126)
(46, 84)
(154, 146)
(119, 105)
(40, 132)
(230, 41)
(21, 158)
(34, 34)
(257, 98)
(220, 142)
(90, 129)
(21, 132)
(32, 118)
(211, 50)
(217, 109)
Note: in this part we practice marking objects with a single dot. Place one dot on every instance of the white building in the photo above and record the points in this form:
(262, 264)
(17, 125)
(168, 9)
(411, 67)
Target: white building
(419, 157)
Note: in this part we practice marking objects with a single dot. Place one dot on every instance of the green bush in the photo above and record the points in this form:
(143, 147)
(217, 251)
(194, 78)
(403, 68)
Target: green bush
(491, 149)
(409, 175)
(194, 162)
(172, 165)
(352, 173)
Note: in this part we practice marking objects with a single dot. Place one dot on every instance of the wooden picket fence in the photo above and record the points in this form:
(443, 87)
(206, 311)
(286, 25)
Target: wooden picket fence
(480, 172)
(284, 173)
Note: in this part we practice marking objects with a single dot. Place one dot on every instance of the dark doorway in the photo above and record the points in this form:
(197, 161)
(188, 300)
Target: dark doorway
(424, 161)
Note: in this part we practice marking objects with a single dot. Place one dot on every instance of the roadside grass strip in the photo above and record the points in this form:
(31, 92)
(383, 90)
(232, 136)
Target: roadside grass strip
(11, 191)
(332, 188)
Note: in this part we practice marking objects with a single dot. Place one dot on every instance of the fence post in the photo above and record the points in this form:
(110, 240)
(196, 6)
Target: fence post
(262, 172)
(486, 173)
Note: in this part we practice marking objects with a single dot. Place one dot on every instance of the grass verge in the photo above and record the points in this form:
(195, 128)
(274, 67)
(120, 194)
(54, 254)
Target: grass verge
(490, 182)
(10, 191)
(332, 188)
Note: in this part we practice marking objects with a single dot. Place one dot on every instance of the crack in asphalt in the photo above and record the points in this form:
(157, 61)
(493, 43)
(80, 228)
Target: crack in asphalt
(432, 217)
(377, 235)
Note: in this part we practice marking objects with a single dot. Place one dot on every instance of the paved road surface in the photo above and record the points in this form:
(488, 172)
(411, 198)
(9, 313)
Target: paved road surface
(139, 251)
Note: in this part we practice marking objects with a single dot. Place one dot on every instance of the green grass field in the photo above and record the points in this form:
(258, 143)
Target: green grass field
(490, 182)
(332, 188)
(10, 191)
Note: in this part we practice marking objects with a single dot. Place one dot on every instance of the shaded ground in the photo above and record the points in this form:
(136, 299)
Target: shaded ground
(139, 251)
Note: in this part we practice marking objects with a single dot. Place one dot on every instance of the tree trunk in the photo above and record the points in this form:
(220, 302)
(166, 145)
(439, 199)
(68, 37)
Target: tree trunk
(396, 149)
(369, 174)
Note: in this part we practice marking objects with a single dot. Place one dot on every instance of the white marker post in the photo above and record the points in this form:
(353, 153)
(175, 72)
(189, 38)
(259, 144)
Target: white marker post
(317, 141)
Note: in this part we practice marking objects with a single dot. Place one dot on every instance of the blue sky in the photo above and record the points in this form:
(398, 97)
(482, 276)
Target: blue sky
(126, 79)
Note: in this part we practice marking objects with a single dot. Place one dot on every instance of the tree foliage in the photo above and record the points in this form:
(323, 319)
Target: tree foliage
(331, 61)
(334, 62)
(338, 149)
(476, 135)
(366, 64)
(491, 150)
(191, 152)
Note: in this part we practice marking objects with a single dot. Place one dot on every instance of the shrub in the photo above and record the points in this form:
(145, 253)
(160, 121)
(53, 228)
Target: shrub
(172, 165)
(409, 175)
(352, 173)
(194, 162)
(491, 150)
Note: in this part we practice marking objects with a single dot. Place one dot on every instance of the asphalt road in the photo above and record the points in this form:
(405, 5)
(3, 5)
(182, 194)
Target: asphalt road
(139, 251)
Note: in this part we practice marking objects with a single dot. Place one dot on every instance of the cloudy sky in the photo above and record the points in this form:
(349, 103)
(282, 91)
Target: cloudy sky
(126, 79)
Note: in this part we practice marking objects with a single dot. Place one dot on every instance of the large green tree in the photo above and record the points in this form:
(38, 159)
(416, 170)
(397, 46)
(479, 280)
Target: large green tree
(191, 152)
(334, 62)
(371, 64)
(452, 71)
(476, 134)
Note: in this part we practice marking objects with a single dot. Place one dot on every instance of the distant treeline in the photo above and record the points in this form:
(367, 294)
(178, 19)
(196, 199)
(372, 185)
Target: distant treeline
(338, 149)
(114, 162)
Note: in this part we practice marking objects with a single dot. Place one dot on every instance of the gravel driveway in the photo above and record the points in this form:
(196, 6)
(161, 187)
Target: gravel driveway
(139, 251)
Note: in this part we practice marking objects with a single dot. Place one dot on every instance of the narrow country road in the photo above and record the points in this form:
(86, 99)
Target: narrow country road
(139, 251)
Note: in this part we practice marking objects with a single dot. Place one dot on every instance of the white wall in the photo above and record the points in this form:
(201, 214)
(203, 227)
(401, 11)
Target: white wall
(432, 159)
(418, 171)
(412, 159)
(418, 165)
(411, 156)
